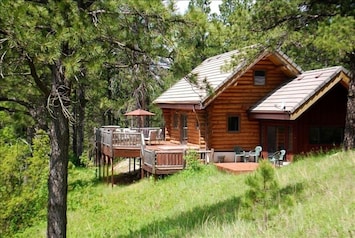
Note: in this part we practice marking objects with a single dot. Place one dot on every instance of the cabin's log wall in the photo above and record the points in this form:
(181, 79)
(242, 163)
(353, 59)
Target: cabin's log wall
(329, 111)
(168, 123)
(193, 128)
(196, 124)
(202, 128)
(209, 127)
(172, 127)
(236, 100)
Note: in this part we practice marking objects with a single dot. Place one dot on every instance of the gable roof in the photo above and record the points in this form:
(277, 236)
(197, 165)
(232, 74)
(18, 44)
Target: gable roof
(215, 72)
(291, 99)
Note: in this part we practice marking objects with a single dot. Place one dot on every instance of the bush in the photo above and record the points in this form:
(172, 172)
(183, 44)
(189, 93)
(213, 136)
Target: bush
(23, 183)
(193, 163)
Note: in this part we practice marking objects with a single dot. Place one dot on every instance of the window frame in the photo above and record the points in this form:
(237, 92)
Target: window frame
(230, 116)
(320, 135)
(255, 81)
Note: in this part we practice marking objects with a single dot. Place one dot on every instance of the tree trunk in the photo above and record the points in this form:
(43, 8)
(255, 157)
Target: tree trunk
(58, 170)
(349, 133)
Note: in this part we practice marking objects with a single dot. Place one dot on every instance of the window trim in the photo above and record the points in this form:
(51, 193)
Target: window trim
(239, 123)
(317, 134)
(254, 77)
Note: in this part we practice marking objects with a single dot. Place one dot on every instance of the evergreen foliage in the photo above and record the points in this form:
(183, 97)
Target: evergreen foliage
(69, 66)
(23, 183)
(263, 198)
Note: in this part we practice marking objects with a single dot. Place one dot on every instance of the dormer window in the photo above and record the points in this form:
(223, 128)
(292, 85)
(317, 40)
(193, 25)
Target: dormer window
(259, 77)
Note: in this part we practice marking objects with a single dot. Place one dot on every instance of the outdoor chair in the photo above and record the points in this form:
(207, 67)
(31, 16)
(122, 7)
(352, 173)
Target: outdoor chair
(278, 157)
(160, 135)
(239, 152)
(256, 153)
(152, 136)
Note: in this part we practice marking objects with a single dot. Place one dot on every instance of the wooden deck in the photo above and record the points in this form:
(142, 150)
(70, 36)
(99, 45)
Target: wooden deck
(237, 168)
(158, 158)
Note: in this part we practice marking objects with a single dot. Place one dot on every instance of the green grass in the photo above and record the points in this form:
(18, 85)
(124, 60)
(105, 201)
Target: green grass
(208, 204)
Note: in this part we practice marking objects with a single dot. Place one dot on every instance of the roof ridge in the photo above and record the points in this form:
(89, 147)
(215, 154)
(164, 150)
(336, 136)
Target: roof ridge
(323, 69)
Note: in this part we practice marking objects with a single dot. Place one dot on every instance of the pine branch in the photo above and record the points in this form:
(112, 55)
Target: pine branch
(122, 45)
(85, 4)
(2, 32)
(38, 1)
(35, 76)
(15, 100)
(12, 110)
(293, 18)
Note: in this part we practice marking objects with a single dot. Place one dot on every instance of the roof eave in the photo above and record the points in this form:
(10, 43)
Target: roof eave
(270, 115)
(181, 106)
(291, 67)
(339, 77)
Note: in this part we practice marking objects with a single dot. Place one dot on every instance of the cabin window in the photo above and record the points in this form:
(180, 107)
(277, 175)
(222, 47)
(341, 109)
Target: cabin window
(259, 77)
(326, 135)
(233, 123)
(175, 121)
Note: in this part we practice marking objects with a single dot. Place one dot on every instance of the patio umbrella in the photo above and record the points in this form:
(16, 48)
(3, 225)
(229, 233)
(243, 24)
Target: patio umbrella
(139, 113)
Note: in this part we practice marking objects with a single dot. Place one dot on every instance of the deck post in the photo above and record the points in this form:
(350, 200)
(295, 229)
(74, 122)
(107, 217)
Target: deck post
(129, 164)
(99, 164)
(111, 160)
(107, 168)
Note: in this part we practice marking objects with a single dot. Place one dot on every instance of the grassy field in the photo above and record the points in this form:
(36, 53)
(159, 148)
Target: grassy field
(208, 203)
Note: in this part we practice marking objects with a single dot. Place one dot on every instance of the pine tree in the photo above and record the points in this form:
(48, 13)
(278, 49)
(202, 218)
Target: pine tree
(51, 50)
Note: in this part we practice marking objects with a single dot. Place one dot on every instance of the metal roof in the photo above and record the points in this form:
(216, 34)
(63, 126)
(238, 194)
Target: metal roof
(292, 95)
(215, 72)
(210, 71)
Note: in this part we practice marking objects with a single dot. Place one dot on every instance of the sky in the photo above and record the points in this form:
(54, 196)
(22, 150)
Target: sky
(183, 4)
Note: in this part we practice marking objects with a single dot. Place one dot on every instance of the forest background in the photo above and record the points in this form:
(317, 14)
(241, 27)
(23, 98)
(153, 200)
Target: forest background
(69, 66)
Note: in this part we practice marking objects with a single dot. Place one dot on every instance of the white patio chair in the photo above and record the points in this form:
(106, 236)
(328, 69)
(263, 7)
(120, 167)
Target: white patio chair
(256, 153)
(278, 157)
(160, 135)
(152, 136)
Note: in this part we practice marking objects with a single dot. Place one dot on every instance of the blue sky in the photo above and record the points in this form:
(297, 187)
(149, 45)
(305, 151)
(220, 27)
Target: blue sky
(182, 5)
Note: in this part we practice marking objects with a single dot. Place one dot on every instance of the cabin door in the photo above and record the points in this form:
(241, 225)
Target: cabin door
(183, 129)
(278, 137)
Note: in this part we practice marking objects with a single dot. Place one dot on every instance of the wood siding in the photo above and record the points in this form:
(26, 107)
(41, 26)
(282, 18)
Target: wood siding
(236, 100)
(209, 127)
(196, 121)
(328, 111)
(168, 123)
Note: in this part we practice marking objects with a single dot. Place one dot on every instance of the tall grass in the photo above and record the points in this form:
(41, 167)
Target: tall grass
(208, 204)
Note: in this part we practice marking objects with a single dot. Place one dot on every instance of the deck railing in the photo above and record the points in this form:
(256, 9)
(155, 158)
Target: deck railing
(131, 139)
(172, 159)
(119, 137)
(145, 130)
(165, 160)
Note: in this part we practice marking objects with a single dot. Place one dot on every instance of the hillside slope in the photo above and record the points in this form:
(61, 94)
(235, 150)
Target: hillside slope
(208, 204)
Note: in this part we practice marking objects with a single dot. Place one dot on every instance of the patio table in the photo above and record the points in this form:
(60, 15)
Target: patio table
(246, 156)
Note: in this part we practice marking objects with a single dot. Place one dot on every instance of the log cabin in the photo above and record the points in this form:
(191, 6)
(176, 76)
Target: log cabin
(269, 101)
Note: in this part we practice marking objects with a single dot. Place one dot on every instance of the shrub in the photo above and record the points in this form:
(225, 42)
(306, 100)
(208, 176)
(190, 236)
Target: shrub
(23, 183)
(262, 197)
(192, 160)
